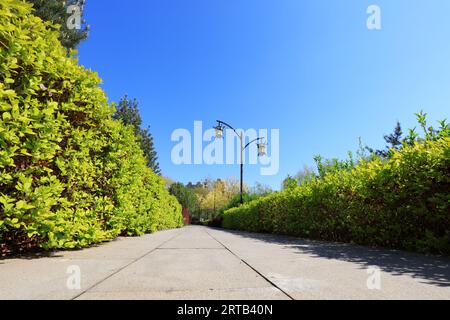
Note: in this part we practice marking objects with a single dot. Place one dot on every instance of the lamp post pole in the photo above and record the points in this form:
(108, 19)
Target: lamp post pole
(261, 149)
(242, 167)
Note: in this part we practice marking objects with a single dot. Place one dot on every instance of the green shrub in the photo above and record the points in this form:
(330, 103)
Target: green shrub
(185, 196)
(236, 201)
(70, 175)
(402, 202)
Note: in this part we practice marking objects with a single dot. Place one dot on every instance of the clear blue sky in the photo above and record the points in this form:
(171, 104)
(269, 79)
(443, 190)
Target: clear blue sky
(310, 68)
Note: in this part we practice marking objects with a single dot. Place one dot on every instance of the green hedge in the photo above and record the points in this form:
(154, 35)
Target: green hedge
(70, 175)
(402, 202)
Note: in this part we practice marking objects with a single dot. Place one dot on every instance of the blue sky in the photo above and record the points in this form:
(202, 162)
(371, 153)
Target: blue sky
(309, 68)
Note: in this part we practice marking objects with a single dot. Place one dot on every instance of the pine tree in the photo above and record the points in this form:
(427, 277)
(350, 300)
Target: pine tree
(148, 147)
(128, 112)
(56, 12)
(393, 140)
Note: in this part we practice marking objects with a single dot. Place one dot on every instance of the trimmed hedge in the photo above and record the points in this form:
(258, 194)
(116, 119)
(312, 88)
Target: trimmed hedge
(402, 202)
(70, 175)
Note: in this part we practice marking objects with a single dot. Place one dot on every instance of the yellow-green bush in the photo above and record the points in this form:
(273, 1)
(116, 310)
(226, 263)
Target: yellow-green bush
(70, 175)
(402, 202)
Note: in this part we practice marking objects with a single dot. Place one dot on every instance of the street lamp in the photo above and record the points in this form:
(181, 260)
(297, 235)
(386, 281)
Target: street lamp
(262, 148)
(219, 131)
(220, 128)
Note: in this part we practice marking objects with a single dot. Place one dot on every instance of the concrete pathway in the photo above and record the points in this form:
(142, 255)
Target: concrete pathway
(203, 263)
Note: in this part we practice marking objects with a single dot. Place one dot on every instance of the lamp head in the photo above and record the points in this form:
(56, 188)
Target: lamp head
(262, 148)
(219, 130)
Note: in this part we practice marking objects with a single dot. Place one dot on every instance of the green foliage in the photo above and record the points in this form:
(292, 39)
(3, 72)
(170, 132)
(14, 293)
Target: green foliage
(128, 113)
(393, 140)
(260, 189)
(290, 183)
(236, 201)
(401, 202)
(212, 195)
(326, 166)
(185, 196)
(55, 12)
(70, 175)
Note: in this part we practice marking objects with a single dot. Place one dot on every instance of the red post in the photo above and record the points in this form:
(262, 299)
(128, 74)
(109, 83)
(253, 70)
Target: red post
(186, 217)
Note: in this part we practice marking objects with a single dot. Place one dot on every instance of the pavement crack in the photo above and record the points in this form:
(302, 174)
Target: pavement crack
(190, 249)
(126, 266)
(251, 267)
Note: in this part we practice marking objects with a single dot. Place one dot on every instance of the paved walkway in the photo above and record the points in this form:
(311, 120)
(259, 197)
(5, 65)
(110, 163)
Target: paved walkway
(202, 263)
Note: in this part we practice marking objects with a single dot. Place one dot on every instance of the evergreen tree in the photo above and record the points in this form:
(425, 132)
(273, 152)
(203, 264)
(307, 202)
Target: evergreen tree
(56, 12)
(393, 140)
(128, 112)
(148, 147)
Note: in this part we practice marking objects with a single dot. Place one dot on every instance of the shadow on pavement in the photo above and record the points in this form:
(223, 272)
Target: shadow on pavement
(36, 254)
(434, 270)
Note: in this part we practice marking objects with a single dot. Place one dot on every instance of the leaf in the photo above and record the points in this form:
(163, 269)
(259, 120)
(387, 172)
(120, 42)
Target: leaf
(6, 116)
(23, 205)
(9, 93)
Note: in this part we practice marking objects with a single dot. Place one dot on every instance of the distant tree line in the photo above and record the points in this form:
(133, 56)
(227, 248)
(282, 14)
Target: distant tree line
(208, 199)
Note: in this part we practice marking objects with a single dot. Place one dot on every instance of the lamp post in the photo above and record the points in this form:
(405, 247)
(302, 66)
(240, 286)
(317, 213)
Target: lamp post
(261, 148)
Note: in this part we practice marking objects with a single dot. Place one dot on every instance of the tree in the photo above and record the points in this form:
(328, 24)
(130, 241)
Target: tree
(57, 12)
(261, 189)
(216, 197)
(128, 112)
(185, 196)
(213, 195)
(305, 175)
(148, 147)
(393, 140)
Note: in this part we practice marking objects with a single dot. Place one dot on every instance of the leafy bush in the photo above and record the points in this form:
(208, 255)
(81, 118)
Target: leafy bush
(236, 201)
(70, 175)
(401, 202)
(217, 219)
(185, 196)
